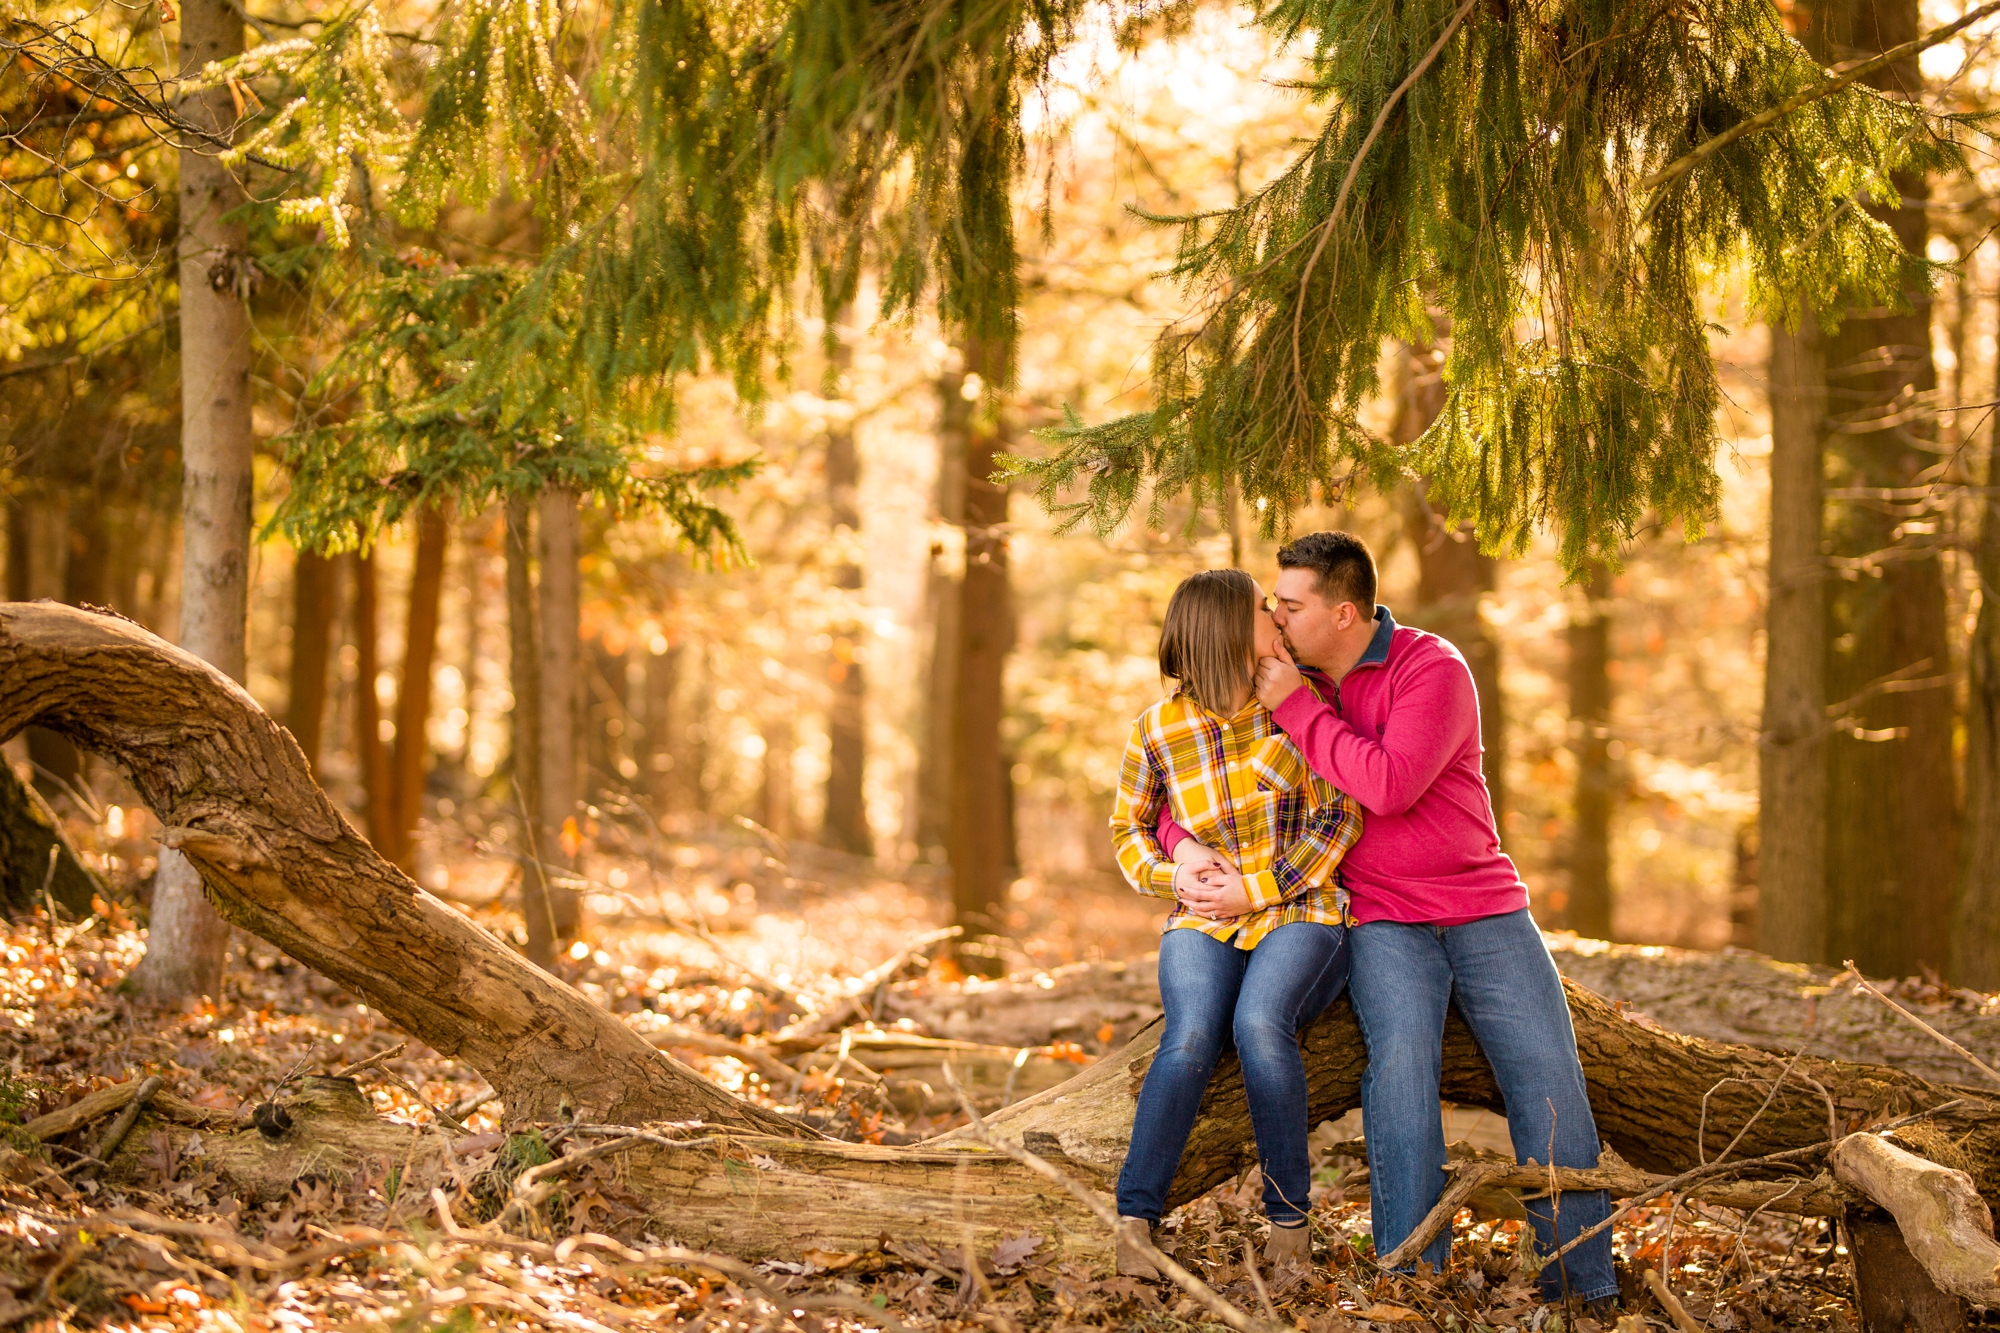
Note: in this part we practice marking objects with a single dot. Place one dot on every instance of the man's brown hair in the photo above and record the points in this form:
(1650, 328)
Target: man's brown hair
(1209, 635)
(1341, 560)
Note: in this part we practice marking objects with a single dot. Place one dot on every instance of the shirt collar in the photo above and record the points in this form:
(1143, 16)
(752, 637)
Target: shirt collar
(1378, 647)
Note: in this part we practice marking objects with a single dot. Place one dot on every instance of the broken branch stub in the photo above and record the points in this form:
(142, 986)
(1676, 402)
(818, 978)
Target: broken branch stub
(1947, 1226)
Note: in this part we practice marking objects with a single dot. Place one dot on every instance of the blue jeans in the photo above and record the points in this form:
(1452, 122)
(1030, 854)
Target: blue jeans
(1216, 993)
(1499, 974)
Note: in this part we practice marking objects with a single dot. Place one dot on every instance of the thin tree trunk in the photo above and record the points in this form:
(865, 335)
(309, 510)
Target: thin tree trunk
(943, 589)
(656, 758)
(1976, 940)
(1892, 804)
(1453, 577)
(980, 856)
(413, 695)
(45, 572)
(559, 621)
(314, 584)
(1590, 895)
(776, 798)
(845, 824)
(524, 672)
(1791, 831)
(378, 797)
(187, 940)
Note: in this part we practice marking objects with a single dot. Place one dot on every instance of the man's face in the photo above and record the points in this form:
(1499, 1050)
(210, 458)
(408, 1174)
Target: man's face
(1311, 627)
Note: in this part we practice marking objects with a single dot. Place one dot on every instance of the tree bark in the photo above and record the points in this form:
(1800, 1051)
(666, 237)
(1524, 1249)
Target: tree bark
(524, 667)
(1892, 810)
(980, 856)
(1588, 910)
(187, 941)
(1792, 777)
(1453, 577)
(314, 595)
(1976, 937)
(775, 795)
(378, 796)
(845, 822)
(558, 620)
(413, 695)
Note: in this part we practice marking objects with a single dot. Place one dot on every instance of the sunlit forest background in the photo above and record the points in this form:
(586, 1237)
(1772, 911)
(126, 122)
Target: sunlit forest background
(730, 699)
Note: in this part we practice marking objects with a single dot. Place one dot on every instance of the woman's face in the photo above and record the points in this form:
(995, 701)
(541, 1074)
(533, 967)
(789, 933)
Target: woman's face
(1263, 630)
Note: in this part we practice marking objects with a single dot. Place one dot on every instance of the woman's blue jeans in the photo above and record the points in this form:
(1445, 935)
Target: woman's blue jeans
(1217, 994)
(1499, 974)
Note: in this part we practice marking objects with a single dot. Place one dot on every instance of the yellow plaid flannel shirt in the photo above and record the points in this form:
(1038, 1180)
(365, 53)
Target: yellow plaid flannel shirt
(1238, 785)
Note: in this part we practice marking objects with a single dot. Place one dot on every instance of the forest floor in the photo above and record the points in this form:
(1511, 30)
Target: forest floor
(717, 934)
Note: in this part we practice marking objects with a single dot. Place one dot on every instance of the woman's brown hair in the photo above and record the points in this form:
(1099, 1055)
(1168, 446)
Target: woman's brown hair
(1209, 634)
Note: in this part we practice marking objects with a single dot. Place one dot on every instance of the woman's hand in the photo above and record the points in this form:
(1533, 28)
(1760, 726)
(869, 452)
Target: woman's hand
(1214, 894)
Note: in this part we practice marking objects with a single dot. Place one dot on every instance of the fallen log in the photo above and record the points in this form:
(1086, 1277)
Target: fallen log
(1734, 996)
(278, 860)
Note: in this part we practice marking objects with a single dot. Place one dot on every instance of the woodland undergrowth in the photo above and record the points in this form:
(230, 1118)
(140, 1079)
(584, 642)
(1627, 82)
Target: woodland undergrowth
(686, 944)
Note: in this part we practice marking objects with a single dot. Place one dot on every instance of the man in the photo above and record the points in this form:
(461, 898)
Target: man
(1441, 914)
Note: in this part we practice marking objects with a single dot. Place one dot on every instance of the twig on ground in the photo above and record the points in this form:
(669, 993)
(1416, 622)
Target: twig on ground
(1971, 1059)
(708, 1043)
(1217, 1304)
(1257, 1280)
(101, 1155)
(374, 1061)
(1670, 1302)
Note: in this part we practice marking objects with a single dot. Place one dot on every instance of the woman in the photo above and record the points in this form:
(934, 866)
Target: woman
(1247, 955)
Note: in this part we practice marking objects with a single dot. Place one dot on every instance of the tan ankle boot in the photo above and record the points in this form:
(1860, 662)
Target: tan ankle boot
(1288, 1247)
(1132, 1262)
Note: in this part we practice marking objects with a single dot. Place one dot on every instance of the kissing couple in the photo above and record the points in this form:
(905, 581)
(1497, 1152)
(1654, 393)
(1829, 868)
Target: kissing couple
(1310, 798)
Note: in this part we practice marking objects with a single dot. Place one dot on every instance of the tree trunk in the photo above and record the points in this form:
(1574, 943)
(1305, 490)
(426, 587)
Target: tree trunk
(980, 856)
(1792, 777)
(558, 619)
(1588, 910)
(658, 760)
(28, 829)
(45, 521)
(1453, 577)
(524, 668)
(845, 822)
(187, 940)
(413, 695)
(1892, 807)
(378, 795)
(314, 595)
(233, 793)
(1976, 938)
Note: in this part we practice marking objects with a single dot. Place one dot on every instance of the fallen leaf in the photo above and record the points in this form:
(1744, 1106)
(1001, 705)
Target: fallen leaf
(572, 838)
(1383, 1313)
(831, 1261)
(140, 1305)
(1013, 1251)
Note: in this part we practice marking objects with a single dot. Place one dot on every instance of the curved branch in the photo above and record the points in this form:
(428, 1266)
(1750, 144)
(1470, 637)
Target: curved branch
(278, 860)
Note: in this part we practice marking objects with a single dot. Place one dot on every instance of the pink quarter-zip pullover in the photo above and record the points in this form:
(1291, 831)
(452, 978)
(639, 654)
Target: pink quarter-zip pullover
(1401, 736)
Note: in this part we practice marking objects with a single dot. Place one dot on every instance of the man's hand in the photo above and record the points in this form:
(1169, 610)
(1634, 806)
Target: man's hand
(1216, 894)
(1192, 852)
(1277, 678)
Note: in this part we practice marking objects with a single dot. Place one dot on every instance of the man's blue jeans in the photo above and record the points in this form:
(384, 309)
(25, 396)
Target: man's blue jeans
(1216, 993)
(1499, 974)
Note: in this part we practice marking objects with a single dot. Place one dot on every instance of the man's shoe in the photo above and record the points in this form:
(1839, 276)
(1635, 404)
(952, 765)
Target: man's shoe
(1132, 1261)
(1288, 1248)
